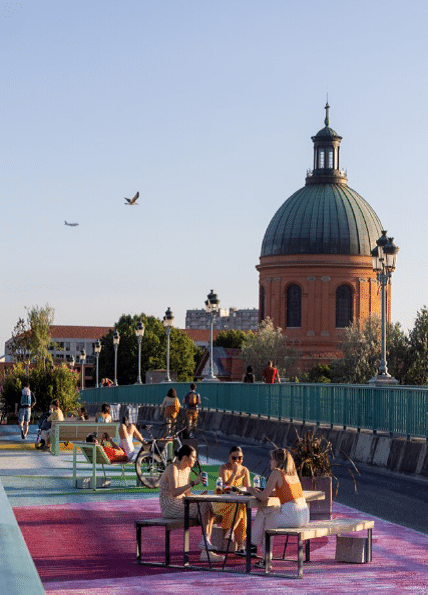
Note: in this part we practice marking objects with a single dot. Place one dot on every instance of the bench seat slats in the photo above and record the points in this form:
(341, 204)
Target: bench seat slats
(323, 528)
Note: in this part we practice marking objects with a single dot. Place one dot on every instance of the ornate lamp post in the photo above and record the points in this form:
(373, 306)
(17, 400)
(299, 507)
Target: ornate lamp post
(384, 257)
(168, 321)
(212, 305)
(82, 368)
(71, 362)
(97, 351)
(116, 339)
(139, 331)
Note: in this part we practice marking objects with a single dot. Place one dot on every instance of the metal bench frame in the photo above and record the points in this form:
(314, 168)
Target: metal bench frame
(95, 455)
(170, 525)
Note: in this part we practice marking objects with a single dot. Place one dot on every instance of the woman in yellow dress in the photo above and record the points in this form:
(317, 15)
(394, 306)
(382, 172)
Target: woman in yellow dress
(233, 473)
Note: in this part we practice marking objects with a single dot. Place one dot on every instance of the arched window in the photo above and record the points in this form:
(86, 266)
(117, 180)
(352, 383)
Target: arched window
(343, 306)
(262, 304)
(294, 306)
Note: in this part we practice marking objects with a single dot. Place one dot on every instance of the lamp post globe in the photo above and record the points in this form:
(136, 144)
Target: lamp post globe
(82, 368)
(116, 340)
(168, 321)
(97, 351)
(384, 256)
(139, 332)
(212, 306)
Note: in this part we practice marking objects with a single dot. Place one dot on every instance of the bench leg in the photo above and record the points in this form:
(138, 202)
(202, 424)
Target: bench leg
(167, 546)
(138, 543)
(369, 546)
(300, 557)
(308, 550)
(268, 553)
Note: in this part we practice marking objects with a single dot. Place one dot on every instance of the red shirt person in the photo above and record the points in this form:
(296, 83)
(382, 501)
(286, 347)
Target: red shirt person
(270, 374)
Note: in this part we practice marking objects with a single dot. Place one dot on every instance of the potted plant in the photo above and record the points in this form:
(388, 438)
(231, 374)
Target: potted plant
(313, 458)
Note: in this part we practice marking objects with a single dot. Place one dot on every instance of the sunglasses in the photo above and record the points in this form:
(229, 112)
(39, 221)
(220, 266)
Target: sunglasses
(237, 458)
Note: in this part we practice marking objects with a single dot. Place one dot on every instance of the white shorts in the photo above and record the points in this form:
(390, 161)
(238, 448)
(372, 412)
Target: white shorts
(128, 446)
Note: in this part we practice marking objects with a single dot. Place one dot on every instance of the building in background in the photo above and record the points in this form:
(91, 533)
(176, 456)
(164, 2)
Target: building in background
(315, 270)
(244, 320)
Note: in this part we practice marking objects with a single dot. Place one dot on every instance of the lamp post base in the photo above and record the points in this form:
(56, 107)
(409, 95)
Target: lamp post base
(383, 380)
(210, 379)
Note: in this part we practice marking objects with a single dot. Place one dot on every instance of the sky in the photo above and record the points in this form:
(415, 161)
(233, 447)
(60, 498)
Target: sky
(207, 108)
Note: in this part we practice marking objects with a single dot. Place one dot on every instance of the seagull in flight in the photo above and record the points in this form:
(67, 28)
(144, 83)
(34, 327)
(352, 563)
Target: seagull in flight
(71, 224)
(132, 201)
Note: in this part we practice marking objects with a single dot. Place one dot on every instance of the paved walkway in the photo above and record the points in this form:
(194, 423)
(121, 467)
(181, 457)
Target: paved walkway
(84, 543)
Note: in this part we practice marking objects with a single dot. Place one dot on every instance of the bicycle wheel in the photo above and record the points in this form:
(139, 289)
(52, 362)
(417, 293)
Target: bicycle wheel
(149, 468)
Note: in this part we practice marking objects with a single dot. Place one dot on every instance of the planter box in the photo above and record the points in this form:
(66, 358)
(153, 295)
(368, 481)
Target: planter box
(320, 509)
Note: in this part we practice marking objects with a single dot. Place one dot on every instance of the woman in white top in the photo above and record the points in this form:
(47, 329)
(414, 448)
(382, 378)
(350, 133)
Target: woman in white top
(104, 416)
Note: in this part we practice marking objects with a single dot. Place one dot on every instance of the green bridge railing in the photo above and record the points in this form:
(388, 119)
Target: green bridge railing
(401, 410)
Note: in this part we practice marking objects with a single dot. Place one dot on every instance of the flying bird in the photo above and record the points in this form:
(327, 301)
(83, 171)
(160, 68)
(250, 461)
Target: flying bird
(71, 224)
(132, 201)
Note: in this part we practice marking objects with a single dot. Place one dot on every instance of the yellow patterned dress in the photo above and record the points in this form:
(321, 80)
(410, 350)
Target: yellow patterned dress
(227, 511)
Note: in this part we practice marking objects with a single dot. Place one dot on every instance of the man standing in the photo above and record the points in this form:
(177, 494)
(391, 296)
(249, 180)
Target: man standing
(270, 374)
(24, 412)
(191, 402)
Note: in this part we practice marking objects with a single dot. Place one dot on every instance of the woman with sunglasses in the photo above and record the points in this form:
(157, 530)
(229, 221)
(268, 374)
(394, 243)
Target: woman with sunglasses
(234, 474)
(284, 483)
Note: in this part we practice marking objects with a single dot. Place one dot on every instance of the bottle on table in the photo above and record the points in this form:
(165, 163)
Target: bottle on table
(256, 481)
(219, 485)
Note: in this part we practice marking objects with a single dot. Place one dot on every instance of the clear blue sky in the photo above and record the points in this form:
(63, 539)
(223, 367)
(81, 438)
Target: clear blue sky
(206, 108)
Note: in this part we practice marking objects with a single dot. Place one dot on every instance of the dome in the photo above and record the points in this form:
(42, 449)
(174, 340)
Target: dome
(323, 219)
(327, 133)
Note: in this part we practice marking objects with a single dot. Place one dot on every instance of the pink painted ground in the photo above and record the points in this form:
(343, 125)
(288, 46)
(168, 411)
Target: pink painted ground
(90, 549)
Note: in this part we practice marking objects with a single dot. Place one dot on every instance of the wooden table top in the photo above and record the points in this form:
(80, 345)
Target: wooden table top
(309, 495)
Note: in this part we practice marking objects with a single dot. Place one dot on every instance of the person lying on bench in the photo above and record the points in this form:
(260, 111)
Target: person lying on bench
(284, 483)
(175, 483)
(126, 452)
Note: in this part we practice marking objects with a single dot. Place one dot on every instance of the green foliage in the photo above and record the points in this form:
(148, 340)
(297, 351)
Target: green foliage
(312, 455)
(269, 344)
(417, 371)
(320, 373)
(231, 338)
(52, 383)
(362, 352)
(153, 351)
(31, 338)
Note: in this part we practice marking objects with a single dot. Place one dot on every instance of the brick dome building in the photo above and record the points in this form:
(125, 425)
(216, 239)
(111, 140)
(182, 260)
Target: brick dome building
(316, 274)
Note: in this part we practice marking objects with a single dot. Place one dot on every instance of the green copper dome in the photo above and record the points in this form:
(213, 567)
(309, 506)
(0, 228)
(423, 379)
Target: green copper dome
(326, 216)
(323, 219)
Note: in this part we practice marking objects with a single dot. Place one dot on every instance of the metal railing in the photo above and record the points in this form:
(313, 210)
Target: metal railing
(397, 410)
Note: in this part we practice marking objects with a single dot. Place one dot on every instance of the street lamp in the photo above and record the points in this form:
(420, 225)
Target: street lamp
(116, 339)
(71, 361)
(168, 321)
(139, 331)
(211, 308)
(384, 256)
(97, 351)
(82, 368)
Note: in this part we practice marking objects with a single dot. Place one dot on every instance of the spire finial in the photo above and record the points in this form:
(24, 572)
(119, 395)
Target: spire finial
(327, 107)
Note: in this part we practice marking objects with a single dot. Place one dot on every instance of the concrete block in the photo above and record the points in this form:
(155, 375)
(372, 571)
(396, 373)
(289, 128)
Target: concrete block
(395, 454)
(382, 447)
(351, 549)
(410, 456)
(363, 448)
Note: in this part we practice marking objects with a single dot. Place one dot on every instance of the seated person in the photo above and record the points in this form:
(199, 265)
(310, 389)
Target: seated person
(55, 415)
(104, 416)
(233, 473)
(114, 452)
(174, 484)
(82, 414)
(285, 484)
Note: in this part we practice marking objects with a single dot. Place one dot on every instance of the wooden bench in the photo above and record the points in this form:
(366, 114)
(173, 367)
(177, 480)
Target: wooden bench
(310, 531)
(70, 431)
(95, 455)
(170, 525)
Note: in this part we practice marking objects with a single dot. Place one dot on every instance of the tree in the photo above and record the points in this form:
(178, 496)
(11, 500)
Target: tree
(31, 339)
(362, 352)
(153, 350)
(417, 371)
(269, 344)
(321, 373)
(231, 338)
(51, 383)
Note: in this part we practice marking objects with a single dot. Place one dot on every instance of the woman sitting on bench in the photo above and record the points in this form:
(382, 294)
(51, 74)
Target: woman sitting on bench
(126, 452)
(174, 484)
(284, 483)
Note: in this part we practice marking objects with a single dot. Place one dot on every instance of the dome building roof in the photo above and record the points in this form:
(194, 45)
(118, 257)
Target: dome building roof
(325, 216)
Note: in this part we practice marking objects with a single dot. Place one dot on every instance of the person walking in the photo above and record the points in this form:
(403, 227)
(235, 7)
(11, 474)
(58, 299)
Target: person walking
(24, 412)
(270, 374)
(192, 402)
(249, 377)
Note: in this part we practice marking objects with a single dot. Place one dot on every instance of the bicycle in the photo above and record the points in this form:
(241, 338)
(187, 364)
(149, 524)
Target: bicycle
(150, 464)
